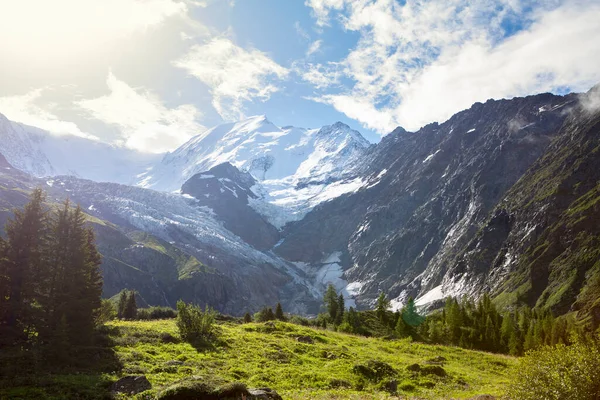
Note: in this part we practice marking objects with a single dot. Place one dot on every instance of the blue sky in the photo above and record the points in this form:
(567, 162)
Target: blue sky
(150, 74)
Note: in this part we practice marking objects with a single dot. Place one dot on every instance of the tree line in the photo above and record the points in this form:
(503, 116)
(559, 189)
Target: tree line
(50, 281)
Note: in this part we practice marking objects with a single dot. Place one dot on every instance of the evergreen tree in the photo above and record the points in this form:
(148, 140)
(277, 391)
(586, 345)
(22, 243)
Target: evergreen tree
(269, 314)
(130, 311)
(339, 317)
(331, 302)
(402, 329)
(382, 306)
(507, 331)
(24, 268)
(454, 320)
(122, 304)
(410, 314)
(351, 317)
(279, 312)
(247, 318)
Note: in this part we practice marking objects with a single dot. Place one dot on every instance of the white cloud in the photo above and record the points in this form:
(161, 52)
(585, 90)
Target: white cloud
(233, 74)
(314, 47)
(423, 61)
(146, 124)
(319, 75)
(24, 109)
(322, 8)
(301, 32)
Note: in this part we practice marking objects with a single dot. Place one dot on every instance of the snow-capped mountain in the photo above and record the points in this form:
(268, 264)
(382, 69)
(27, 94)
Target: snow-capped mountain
(296, 168)
(42, 154)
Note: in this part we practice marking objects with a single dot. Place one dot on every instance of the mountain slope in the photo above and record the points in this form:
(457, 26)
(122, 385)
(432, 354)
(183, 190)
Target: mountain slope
(425, 195)
(541, 244)
(167, 247)
(41, 154)
(295, 168)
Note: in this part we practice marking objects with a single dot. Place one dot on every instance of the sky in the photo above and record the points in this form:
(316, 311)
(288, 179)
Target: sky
(151, 74)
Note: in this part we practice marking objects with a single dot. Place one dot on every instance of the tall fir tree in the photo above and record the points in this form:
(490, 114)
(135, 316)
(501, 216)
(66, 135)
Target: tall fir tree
(339, 317)
(24, 269)
(130, 311)
(279, 312)
(122, 304)
(382, 306)
(330, 299)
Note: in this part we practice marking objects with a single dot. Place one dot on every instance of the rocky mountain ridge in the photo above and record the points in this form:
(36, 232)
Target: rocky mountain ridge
(481, 202)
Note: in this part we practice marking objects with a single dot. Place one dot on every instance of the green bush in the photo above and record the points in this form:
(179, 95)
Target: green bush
(195, 324)
(152, 313)
(560, 372)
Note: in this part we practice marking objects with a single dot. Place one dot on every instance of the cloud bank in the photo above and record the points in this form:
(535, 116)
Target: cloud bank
(423, 61)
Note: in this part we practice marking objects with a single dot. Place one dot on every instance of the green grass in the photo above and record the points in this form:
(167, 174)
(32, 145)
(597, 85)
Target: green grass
(258, 356)
(262, 356)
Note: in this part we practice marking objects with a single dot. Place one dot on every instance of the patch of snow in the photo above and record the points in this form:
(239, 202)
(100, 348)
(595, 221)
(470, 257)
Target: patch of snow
(471, 130)
(429, 157)
(434, 294)
(354, 288)
(92, 208)
(205, 176)
(50, 183)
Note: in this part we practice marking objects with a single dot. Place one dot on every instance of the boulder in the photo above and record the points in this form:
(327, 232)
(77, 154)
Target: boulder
(264, 394)
(305, 339)
(132, 384)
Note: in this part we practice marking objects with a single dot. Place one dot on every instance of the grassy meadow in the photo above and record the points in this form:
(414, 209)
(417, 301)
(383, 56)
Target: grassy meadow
(321, 365)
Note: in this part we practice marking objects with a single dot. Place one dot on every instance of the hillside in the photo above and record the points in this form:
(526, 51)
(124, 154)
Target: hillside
(297, 362)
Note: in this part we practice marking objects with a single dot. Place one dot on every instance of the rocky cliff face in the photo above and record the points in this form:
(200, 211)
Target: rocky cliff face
(226, 191)
(426, 194)
(541, 243)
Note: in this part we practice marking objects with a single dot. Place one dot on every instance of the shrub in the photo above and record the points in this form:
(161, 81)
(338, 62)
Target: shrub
(152, 313)
(560, 372)
(295, 319)
(266, 314)
(193, 323)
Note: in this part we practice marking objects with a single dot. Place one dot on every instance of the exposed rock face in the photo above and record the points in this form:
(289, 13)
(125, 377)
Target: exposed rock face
(427, 194)
(226, 190)
(540, 244)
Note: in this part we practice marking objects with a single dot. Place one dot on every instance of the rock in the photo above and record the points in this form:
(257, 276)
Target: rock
(305, 339)
(439, 360)
(132, 384)
(390, 386)
(374, 370)
(434, 370)
(414, 368)
(264, 394)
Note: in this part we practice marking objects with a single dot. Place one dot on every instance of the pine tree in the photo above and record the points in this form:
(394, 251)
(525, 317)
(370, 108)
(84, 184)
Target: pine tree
(130, 311)
(279, 313)
(269, 314)
(24, 269)
(507, 331)
(382, 306)
(410, 315)
(351, 317)
(247, 318)
(339, 317)
(330, 299)
(402, 329)
(122, 304)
